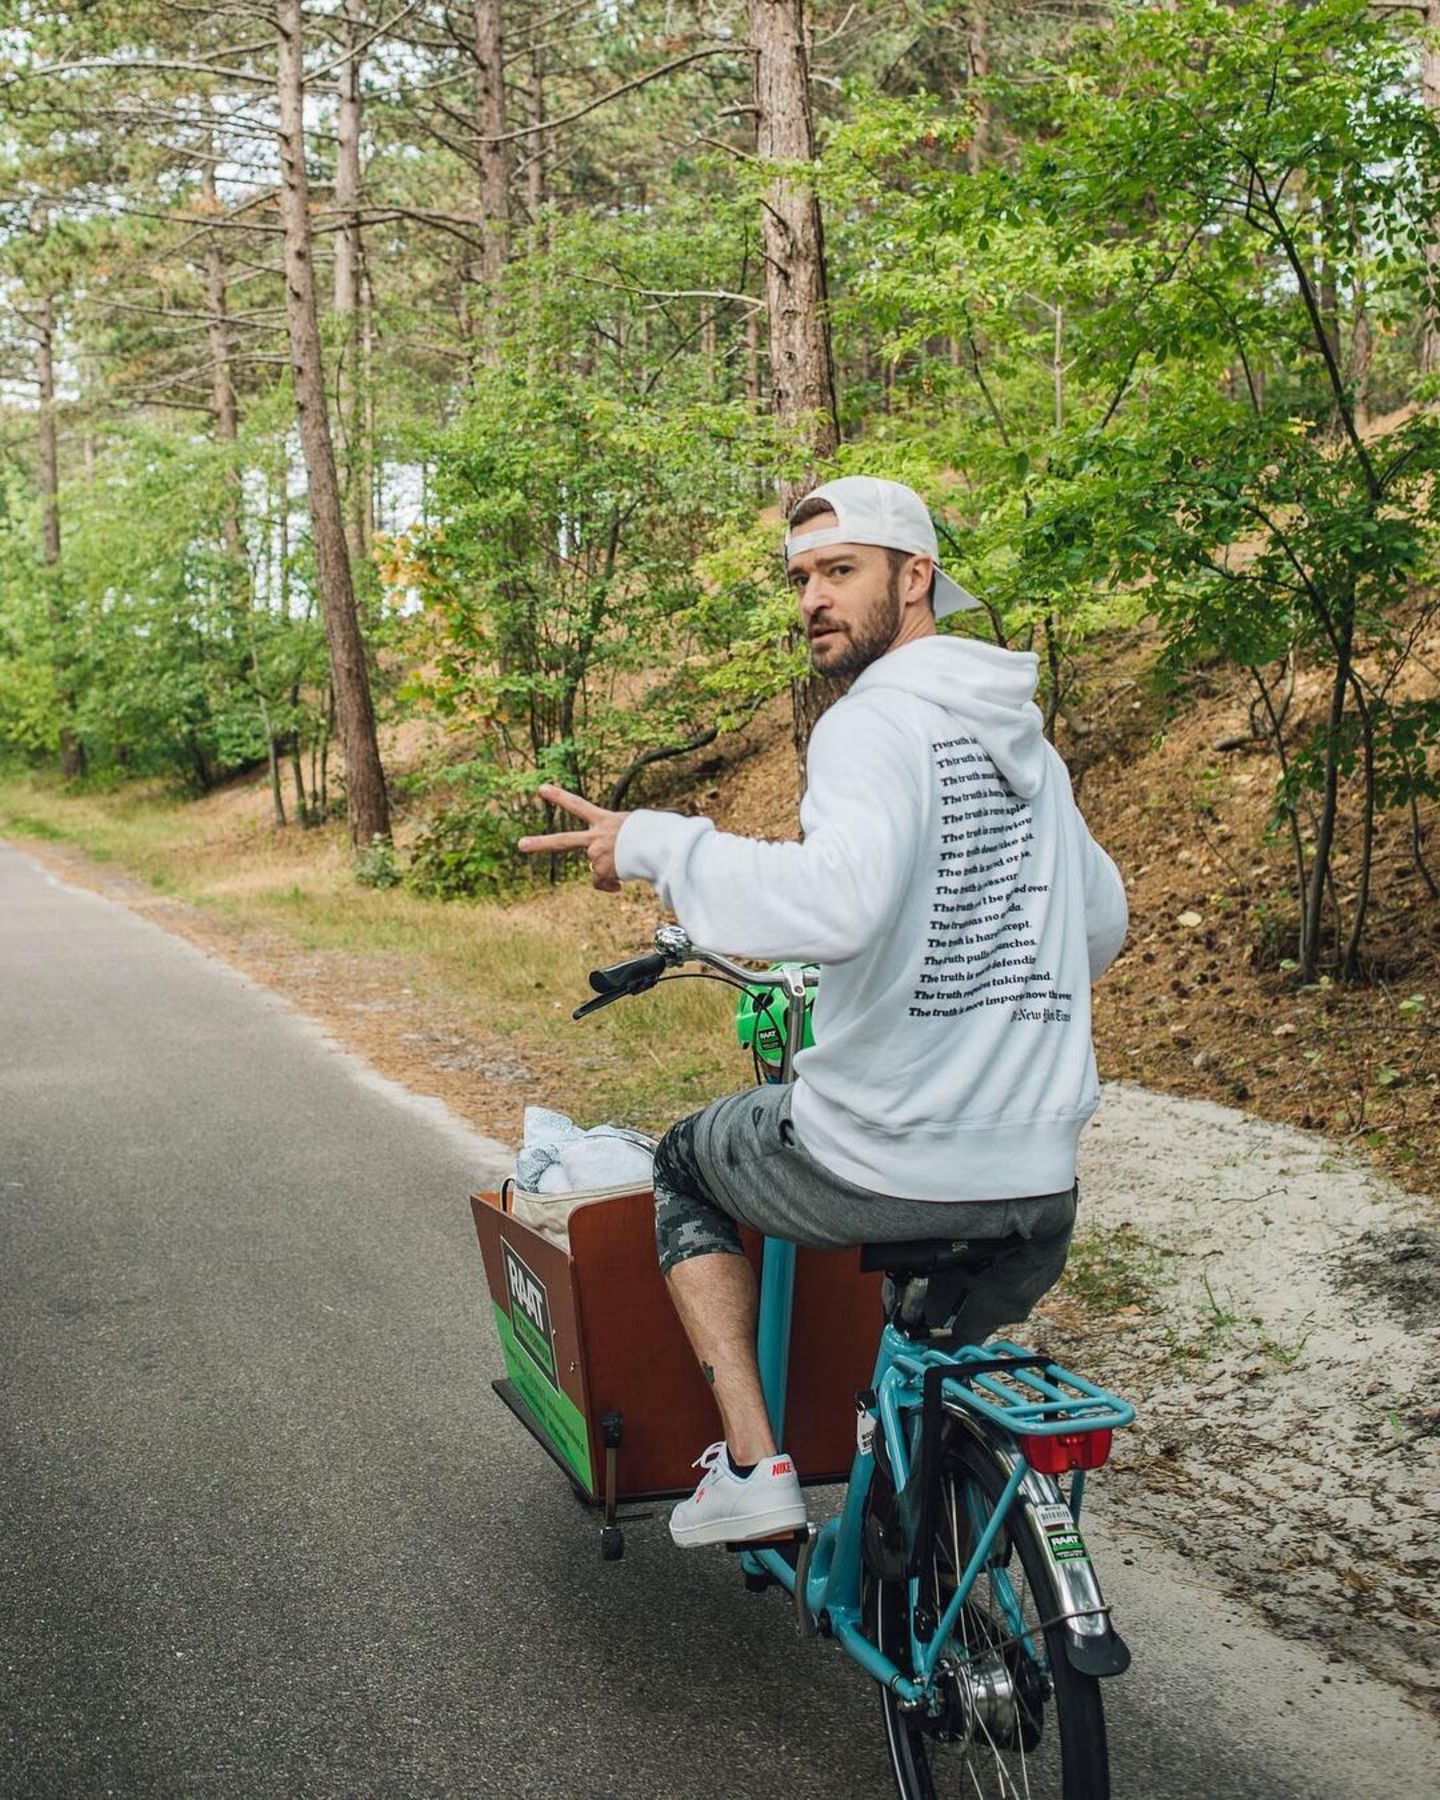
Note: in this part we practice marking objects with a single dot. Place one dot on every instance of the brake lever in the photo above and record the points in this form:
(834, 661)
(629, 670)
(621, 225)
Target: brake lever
(645, 972)
(590, 1006)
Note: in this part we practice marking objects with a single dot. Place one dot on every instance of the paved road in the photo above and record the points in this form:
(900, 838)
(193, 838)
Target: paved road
(267, 1533)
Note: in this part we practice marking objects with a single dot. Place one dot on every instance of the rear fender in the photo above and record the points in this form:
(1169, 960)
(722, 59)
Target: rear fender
(1092, 1644)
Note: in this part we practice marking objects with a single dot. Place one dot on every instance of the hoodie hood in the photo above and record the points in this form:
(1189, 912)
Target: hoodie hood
(990, 691)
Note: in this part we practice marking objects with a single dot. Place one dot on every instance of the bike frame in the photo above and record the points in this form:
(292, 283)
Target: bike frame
(833, 1570)
(830, 1574)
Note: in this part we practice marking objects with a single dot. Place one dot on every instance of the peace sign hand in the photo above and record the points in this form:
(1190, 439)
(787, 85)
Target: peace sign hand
(597, 840)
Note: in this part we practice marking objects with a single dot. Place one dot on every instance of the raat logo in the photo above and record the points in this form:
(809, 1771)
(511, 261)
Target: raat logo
(1066, 1546)
(530, 1314)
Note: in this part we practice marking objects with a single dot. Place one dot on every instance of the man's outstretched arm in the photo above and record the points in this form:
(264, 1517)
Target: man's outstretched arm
(823, 899)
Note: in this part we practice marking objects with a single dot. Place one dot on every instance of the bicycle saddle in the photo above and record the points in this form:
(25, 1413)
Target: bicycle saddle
(928, 1280)
(926, 1256)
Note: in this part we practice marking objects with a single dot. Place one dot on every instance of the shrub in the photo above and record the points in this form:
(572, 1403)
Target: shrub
(465, 851)
(376, 866)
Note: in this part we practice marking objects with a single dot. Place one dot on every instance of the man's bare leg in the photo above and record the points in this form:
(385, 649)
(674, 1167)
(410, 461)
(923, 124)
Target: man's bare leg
(716, 1300)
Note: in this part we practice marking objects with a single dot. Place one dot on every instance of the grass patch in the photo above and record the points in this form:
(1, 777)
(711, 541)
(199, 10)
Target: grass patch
(1112, 1269)
(17, 824)
(139, 829)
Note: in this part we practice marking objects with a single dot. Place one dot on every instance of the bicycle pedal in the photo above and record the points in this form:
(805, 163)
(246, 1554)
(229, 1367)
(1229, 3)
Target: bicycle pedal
(782, 1540)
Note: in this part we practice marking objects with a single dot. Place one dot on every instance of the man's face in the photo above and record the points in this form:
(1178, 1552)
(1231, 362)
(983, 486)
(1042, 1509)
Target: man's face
(850, 598)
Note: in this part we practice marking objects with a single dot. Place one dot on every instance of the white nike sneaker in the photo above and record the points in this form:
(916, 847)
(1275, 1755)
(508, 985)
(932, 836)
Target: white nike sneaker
(739, 1509)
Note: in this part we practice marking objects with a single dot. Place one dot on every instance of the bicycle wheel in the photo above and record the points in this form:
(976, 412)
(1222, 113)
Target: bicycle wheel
(1017, 1719)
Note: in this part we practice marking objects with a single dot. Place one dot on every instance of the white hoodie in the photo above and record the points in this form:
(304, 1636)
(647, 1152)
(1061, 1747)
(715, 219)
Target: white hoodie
(959, 910)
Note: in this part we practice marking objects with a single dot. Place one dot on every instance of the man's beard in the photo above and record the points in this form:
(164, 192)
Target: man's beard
(870, 639)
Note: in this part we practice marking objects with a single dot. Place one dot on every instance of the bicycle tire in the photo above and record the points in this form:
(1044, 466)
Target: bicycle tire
(1047, 1740)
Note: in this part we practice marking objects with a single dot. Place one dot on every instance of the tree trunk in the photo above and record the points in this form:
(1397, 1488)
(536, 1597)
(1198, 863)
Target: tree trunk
(227, 431)
(978, 61)
(1417, 850)
(1326, 280)
(802, 382)
(222, 383)
(1054, 698)
(1362, 353)
(277, 798)
(347, 168)
(368, 805)
(350, 290)
(752, 359)
(802, 379)
(49, 438)
(1350, 965)
(1275, 729)
(368, 412)
(1430, 90)
(322, 803)
(297, 773)
(282, 490)
(73, 760)
(533, 165)
(222, 387)
(535, 144)
(1313, 900)
(1362, 336)
(494, 173)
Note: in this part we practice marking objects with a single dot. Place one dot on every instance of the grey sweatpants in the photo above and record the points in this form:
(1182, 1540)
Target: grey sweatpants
(739, 1162)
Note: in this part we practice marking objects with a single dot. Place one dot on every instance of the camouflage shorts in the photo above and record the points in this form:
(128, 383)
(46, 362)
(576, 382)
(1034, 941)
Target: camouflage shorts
(739, 1163)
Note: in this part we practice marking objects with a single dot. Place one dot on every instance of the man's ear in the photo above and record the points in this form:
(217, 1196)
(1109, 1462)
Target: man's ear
(919, 577)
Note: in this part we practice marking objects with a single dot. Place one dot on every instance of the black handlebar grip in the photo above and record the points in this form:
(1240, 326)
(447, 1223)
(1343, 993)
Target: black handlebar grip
(631, 977)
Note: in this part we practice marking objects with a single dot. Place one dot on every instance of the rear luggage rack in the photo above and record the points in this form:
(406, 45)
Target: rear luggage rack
(1022, 1392)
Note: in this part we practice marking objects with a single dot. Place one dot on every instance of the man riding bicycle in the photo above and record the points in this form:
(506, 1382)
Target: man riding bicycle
(959, 910)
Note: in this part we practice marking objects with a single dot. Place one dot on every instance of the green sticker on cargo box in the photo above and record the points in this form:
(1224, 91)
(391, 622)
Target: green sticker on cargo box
(554, 1412)
(530, 1313)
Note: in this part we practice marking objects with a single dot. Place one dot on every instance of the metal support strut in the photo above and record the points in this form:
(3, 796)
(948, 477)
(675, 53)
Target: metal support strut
(612, 1538)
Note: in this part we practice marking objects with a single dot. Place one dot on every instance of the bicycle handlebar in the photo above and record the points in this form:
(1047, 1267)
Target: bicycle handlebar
(672, 948)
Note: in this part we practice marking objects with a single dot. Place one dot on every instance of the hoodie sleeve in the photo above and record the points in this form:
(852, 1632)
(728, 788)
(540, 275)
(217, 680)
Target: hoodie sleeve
(1107, 912)
(825, 899)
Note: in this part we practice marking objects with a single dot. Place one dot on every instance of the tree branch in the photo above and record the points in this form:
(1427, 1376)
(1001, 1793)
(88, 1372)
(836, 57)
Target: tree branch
(665, 752)
(142, 65)
(627, 87)
(1322, 337)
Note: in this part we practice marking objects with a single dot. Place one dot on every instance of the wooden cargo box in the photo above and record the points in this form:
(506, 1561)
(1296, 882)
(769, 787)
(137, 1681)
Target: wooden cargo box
(589, 1336)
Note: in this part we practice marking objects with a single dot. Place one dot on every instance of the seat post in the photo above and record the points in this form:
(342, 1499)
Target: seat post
(902, 1300)
(927, 1280)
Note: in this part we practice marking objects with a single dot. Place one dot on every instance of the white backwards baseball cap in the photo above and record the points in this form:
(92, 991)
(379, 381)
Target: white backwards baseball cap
(872, 511)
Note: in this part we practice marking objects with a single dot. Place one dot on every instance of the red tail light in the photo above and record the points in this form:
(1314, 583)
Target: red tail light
(1065, 1450)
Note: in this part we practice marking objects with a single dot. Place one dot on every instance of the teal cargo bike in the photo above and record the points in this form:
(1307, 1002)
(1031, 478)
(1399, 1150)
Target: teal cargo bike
(955, 1572)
